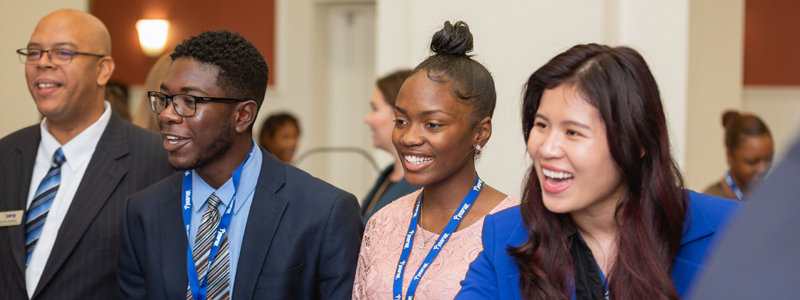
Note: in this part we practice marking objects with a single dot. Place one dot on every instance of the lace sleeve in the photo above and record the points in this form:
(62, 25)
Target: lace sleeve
(360, 282)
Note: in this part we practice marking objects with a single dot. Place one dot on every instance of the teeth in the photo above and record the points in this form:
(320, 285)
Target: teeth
(172, 139)
(416, 160)
(46, 85)
(556, 175)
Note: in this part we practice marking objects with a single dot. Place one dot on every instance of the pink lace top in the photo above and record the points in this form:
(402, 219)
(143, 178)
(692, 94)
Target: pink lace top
(382, 246)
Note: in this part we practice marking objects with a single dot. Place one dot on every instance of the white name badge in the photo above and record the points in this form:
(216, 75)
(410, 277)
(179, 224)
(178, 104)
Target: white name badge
(11, 218)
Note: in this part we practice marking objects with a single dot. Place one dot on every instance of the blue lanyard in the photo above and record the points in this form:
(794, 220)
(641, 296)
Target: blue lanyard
(459, 214)
(605, 282)
(733, 186)
(199, 289)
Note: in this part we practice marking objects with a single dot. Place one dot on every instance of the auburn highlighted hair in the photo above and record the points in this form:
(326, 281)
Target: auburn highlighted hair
(618, 82)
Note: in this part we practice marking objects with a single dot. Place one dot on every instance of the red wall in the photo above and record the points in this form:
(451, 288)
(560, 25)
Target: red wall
(772, 42)
(253, 19)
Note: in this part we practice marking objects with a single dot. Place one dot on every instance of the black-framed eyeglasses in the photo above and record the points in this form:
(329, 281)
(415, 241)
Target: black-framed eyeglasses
(57, 56)
(185, 105)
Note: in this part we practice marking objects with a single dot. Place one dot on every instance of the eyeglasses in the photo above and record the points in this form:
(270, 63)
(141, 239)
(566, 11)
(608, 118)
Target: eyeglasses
(185, 105)
(57, 56)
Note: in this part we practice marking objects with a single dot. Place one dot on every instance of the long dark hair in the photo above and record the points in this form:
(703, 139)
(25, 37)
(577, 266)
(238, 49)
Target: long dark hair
(618, 82)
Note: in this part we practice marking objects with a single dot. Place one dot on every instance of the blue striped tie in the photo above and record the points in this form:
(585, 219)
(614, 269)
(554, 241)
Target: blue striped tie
(218, 287)
(40, 206)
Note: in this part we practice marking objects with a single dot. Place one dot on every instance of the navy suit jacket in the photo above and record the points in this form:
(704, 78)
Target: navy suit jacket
(83, 261)
(495, 275)
(301, 240)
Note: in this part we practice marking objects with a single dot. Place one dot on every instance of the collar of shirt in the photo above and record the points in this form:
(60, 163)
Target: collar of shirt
(247, 186)
(80, 148)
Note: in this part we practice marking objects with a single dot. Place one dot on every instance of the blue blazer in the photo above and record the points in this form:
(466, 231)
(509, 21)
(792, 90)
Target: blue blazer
(301, 240)
(495, 275)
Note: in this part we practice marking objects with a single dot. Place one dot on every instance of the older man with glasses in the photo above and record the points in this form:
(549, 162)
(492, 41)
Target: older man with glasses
(63, 182)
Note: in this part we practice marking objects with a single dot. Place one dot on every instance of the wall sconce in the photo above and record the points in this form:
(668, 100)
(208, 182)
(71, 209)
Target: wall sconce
(152, 36)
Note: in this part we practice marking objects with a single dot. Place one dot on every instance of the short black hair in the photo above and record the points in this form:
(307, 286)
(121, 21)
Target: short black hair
(243, 72)
(276, 121)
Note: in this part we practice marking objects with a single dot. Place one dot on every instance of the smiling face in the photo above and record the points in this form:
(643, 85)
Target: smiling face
(381, 120)
(433, 134)
(751, 160)
(193, 142)
(571, 155)
(68, 93)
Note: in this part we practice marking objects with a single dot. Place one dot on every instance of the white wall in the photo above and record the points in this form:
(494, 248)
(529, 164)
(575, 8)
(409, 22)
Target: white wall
(716, 55)
(313, 85)
(779, 108)
(659, 31)
(346, 80)
(18, 18)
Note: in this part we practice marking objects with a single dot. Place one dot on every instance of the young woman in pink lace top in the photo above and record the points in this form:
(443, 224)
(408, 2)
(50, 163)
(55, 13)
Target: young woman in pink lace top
(422, 244)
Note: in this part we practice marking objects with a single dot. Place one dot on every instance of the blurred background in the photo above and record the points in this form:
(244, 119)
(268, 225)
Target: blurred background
(325, 55)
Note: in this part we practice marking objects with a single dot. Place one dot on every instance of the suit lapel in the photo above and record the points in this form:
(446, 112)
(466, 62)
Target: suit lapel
(173, 243)
(519, 236)
(18, 188)
(102, 176)
(262, 222)
(697, 226)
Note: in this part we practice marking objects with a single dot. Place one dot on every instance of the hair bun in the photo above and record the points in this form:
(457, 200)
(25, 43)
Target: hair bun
(452, 39)
(729, 117)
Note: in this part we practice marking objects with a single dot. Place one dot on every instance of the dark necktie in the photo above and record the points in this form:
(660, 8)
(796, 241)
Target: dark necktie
(219, 276)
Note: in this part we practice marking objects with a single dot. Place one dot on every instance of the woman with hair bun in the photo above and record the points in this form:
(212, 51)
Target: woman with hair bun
(420, 245)
(749, 148)
(604, 213)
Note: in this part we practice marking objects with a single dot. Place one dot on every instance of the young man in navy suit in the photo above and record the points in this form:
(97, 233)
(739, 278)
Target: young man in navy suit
(236, 223)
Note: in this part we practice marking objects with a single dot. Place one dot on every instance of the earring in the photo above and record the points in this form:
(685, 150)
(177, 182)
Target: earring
(478, 147)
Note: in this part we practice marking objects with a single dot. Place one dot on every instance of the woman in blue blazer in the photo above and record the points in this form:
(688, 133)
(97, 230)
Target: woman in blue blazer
(604, 213)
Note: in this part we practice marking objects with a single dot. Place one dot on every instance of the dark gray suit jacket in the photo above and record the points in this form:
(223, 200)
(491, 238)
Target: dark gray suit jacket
(759, 257)
(301, 240)
(82, 264)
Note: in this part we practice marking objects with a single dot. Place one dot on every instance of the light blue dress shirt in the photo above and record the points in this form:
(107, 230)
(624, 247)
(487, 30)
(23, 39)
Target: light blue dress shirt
(244, 198)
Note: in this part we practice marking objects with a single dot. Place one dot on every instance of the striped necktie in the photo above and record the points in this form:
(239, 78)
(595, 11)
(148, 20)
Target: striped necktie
(40, 206)
(219, 276)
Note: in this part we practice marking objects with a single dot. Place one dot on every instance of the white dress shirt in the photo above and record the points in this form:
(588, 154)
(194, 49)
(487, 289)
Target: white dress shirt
(78, 151)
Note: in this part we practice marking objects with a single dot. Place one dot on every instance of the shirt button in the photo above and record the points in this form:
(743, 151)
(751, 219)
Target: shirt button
(38, 272)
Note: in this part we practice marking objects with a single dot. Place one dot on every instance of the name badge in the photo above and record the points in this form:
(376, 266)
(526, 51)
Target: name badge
(11, 218)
